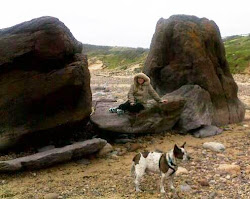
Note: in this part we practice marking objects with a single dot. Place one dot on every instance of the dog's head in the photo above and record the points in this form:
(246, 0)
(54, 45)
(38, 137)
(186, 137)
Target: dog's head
(181, 153)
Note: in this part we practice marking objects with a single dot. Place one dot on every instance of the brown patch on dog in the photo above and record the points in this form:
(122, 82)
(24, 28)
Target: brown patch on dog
(145, 154)
(137, 158)
(178, 152)
(163, 164)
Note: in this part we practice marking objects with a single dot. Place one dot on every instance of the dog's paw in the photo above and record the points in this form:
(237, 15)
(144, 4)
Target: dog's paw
(163, 191)
(138, 190)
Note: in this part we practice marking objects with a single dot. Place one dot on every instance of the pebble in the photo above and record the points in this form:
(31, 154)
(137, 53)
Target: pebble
(83, 161)
(181, 170)
(51, 196)
(229, 168)
(133, 147)
(105, 150)
(214, 146)
(185, 188)
(204, 182)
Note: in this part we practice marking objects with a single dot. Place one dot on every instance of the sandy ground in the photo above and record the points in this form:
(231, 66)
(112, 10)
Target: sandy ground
(110, 177)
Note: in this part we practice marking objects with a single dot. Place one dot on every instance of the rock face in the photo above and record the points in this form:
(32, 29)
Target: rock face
(53, 156)
(156, 118)
(186, 50)
(189, 108)
(197, 110)
(44, 83)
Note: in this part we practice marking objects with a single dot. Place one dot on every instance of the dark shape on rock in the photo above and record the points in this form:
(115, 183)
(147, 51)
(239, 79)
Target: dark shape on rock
(53, 156)
(189, 50)
(44, 80)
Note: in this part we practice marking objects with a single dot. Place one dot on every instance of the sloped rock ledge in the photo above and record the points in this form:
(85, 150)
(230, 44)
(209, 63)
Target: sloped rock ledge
(53, 156)
(189, 110)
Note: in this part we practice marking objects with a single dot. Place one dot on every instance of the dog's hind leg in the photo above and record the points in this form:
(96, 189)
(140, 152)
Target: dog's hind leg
(139, 172)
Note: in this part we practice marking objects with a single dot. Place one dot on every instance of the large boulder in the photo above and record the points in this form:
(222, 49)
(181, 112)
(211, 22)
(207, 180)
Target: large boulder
(156, 118)
(44, 80)
(189, 109)
(189, 50)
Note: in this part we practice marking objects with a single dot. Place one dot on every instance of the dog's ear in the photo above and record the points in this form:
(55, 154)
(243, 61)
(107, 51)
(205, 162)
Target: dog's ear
(177, 150)
(183, 145)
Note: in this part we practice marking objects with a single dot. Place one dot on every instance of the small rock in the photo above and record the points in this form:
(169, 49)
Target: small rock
(229, 168)
(181, 171)
(105, 150)
(185, 188)
(214, 146)
(3, 181)
(134, 147)
(114, 157)
(212, 182)
(83, 161)
(51, 196)
(204, 182)
(46, 148)
(123, 141)
(228, 177)
(212, 195)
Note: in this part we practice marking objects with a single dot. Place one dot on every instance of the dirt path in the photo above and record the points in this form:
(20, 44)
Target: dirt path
(110, 177)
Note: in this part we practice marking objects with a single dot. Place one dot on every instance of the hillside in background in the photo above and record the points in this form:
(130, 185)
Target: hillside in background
(237, 53)
(115, 57)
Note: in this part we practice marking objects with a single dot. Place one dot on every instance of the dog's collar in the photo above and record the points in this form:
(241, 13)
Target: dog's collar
(171, 162)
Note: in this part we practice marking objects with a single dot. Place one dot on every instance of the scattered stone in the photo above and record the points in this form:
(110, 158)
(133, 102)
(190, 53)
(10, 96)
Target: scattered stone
(46, 148)
(248, 169)
(204, 182)
(207, 131)
(123, 141)
(212, 195)
(83, 161)
(229, 168)
(51, 196)
(185, 188)
(105, 150)
(214, 146)
(228, 177)
(134, 146)
(181, 171)
(114, 157)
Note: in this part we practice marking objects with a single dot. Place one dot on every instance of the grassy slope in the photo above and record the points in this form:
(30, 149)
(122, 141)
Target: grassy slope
(116, 57)
(238, 53)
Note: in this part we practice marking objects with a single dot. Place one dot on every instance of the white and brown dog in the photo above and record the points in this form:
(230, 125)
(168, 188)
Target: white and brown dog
(163, 163)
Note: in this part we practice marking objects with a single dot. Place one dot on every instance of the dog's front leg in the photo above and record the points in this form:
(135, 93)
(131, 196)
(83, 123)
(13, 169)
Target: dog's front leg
(171, 177)
(163, 175)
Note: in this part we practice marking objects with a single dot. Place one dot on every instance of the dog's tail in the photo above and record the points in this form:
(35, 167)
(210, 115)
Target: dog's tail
(132, 170)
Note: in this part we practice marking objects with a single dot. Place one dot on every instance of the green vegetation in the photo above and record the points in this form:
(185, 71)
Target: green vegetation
(116, 57)
(238, 53)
